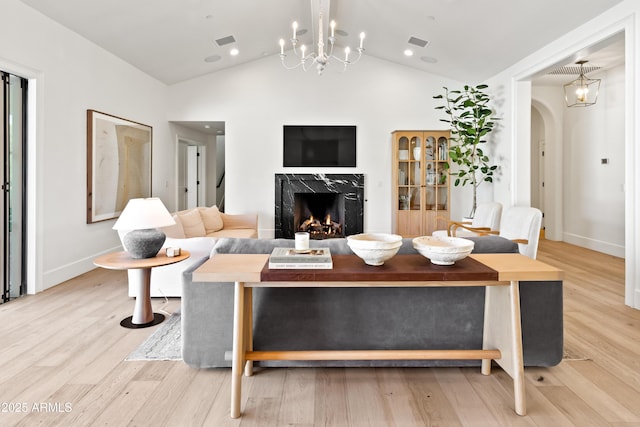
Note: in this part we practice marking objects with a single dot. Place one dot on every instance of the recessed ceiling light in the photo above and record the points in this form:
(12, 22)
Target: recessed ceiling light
(429, 59)
(212, 58)
(342, 33)
(301, 32)
(234, 52)
(408, 52)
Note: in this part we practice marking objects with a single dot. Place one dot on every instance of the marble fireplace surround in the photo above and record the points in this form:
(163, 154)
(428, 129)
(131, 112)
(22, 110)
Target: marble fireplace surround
(351, 186)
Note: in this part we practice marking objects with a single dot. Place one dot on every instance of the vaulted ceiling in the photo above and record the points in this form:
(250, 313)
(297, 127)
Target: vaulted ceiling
(176, 40)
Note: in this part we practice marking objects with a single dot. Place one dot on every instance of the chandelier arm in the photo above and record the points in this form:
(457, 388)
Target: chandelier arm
(349, 62)
(289, 67)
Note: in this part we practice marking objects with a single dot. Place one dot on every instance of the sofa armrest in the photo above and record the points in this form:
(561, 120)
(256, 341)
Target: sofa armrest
(240, 220)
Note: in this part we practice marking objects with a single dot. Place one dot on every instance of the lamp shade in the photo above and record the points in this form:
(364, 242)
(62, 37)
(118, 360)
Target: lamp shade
(142, 217)
(140, 214)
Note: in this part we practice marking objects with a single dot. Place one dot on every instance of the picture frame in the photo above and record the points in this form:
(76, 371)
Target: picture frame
(118, 164)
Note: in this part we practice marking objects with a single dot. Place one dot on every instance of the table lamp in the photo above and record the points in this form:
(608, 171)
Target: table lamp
(142, 217)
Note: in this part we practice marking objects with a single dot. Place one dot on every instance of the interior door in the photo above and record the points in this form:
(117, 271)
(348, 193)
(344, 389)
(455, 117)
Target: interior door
(192, 182)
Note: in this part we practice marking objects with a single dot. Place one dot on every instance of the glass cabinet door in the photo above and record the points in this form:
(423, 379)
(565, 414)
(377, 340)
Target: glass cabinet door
(442, 174)
(409, 176)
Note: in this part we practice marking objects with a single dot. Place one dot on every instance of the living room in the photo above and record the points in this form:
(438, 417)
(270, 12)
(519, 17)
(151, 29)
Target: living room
(375, 95)
(69, 74)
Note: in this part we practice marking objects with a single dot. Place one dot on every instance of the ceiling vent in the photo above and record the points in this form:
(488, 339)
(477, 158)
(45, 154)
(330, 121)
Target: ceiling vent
(570, 70)
(225, 40)
(418, 42)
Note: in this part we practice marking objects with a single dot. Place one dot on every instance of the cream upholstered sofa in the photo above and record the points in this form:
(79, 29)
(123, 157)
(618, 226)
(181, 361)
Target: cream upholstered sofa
(196, 230)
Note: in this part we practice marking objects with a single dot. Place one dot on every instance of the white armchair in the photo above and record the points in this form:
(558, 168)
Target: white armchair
(486, 219)
(522, 225)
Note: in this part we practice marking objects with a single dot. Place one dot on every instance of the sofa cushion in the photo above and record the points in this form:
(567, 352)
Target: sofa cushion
(242, 233)
(175, 231)
(192, 223)
(211, 219)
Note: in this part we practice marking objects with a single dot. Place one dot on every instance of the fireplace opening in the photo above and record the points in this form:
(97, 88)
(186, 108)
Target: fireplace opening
(338, 198)
(319, 214)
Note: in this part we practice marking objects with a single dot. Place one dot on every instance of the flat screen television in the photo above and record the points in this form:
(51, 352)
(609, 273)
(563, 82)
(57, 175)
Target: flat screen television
(329, 146)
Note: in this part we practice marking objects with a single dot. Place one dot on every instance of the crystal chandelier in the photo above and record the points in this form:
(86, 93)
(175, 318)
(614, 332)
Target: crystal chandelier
(583, 91)
(322, 57)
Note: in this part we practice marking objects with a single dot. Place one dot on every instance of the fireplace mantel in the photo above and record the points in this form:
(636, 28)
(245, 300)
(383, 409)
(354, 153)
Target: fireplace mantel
(351, 186)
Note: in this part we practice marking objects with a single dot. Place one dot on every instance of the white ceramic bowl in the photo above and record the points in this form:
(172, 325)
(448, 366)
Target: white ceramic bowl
(375, 248)
(443, 250)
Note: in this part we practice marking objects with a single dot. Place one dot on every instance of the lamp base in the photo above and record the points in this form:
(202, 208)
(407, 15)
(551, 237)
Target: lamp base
(144, 243)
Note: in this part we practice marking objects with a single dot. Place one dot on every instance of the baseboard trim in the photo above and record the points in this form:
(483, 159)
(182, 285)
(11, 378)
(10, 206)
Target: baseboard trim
(596, 245)
(66, 272)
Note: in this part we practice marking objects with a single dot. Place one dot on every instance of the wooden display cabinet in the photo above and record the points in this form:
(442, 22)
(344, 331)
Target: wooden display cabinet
(421, 184)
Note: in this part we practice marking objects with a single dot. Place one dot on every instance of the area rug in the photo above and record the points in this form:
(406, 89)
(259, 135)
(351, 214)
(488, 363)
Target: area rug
(164, 344)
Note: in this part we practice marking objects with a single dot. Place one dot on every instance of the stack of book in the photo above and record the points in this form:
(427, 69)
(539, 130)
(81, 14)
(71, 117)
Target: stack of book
(289, 258)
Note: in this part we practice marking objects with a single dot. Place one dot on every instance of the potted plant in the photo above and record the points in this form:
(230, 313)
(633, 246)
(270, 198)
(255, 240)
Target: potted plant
(470, 120)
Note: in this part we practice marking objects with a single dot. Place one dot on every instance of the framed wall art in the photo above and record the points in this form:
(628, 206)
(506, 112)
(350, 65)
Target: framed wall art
(118, 164)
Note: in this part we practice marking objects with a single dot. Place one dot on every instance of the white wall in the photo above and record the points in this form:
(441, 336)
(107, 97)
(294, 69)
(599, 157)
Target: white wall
(256, 99)
(69, 75)
(594, 193)
(515, 96)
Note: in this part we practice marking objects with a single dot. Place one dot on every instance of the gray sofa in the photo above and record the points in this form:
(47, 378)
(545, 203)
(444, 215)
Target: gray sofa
(362, 318)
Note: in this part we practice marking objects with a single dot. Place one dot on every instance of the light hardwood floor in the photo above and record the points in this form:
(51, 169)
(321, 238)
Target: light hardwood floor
(62, 363)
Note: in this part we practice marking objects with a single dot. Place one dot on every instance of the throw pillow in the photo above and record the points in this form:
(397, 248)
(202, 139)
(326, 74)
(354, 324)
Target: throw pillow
(211, 218)
(192, 223)
(175, 231)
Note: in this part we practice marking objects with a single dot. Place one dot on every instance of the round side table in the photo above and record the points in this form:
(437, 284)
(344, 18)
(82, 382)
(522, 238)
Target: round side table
(143, 315)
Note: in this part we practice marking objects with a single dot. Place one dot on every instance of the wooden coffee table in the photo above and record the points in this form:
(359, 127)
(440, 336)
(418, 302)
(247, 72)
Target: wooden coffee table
(143, 315)
(499, 273)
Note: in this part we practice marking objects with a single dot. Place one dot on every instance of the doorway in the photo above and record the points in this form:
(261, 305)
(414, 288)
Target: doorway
(191, 172)
(13, 118)
(200, 163)
(579, 152)
(601, 159)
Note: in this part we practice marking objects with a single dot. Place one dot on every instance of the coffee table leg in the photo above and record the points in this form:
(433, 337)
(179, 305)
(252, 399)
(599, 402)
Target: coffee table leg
(503, 330)
(238, 348)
